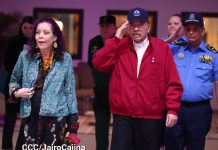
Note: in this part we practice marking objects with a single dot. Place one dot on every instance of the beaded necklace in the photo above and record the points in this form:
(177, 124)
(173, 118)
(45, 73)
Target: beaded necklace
(48, 62)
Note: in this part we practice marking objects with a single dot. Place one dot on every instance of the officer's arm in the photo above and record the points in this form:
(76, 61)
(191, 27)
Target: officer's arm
(173, 36)
(216, 91)
(216, 98)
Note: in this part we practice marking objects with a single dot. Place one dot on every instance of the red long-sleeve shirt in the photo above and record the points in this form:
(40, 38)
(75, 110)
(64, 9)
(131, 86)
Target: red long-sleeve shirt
(157, 87)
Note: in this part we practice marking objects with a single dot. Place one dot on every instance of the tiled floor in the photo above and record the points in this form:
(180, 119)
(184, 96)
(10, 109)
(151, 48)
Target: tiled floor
(86, 133)
(88, 140)
(87, 136)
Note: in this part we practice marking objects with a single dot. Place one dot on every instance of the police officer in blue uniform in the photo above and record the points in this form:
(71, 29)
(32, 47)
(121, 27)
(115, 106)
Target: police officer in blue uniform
(175, 30)
(101, 107)
(174, 39)
(197, 64)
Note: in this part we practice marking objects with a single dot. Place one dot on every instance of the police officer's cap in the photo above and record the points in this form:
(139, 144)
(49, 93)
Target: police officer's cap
(107, 20)
(194, 18)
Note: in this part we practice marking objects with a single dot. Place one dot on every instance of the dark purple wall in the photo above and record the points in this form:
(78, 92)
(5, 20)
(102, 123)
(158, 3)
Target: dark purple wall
(95, 8)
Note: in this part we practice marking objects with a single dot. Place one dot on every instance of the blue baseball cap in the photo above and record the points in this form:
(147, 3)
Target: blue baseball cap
(137, 14)
(194, 18)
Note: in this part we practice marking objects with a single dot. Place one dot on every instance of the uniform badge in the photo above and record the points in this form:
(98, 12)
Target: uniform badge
(136, 13)
(180, 55)
(205, 59)
(211, 48)
(192, 17)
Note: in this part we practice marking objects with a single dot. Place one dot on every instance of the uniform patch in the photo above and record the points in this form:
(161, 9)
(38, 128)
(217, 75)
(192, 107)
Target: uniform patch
(205, 59)
(211, 48)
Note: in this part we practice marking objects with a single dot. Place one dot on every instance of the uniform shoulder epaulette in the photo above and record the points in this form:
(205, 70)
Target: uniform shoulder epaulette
(211, 48)
(179, 43)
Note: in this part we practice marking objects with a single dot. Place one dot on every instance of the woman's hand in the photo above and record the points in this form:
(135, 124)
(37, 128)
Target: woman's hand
(24, 93)
(67, 134)
(173, 36)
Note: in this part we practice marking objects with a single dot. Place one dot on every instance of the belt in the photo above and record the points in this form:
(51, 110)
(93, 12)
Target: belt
(198, 103)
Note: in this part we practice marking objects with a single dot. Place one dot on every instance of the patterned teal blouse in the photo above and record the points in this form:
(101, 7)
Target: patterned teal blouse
(58, 96)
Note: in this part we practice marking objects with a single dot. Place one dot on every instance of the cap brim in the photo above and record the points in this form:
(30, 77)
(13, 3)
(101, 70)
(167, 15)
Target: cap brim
(141, 20)
(193, 22)
(106, 23)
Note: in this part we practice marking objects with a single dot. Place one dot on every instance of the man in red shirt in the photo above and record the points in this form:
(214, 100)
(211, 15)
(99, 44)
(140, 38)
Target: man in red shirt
(144, 84)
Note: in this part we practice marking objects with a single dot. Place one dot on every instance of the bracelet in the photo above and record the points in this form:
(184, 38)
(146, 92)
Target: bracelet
(13, 93)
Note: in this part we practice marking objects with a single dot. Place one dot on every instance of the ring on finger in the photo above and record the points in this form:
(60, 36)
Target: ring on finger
(30, 95)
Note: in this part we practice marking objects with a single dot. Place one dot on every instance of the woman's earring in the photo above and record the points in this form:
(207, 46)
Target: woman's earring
(37, 46)
(55, 45)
